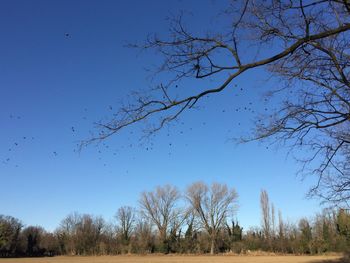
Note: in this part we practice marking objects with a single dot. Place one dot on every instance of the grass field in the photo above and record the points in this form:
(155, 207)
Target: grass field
(179, 259)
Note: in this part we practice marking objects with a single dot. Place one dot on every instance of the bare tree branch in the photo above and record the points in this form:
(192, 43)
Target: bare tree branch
(311, 46)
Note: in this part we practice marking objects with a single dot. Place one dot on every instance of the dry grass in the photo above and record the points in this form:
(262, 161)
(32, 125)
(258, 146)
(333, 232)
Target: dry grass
(180, 259)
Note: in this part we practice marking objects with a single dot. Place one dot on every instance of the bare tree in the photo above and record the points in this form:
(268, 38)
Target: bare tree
(305, 44)
(66, 233)
(88, 233)
(144, 237)
(281, 237)
(273, 221)
(266, 215)
(80, 234)
(162, 209)
(126, 220)
(281, 226)
(212, 205)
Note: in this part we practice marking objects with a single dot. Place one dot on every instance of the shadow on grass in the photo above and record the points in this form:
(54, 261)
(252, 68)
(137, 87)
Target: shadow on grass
(340, 260)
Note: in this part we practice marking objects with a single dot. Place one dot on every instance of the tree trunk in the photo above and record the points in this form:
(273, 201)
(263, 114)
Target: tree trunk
(212, 246)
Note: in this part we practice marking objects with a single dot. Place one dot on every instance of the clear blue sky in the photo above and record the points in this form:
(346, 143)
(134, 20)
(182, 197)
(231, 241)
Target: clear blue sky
(51, 84)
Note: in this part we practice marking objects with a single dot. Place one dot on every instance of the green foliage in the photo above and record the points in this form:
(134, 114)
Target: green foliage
(343, 224)
(305, 237)
(343, 229)
(10, 228)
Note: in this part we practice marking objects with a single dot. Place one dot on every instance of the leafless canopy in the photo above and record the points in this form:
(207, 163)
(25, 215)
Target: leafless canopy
(308, 49)
(212, 205)
(265, 212)
(126, 219)
(161, 208)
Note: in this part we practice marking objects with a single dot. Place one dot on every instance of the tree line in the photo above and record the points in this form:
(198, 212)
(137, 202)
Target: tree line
(199, 220)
